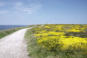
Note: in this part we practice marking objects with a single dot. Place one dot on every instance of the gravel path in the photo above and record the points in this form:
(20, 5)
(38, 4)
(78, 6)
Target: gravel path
(14, 46)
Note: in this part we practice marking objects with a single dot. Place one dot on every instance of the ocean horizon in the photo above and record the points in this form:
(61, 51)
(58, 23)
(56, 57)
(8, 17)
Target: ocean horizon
(4, 27)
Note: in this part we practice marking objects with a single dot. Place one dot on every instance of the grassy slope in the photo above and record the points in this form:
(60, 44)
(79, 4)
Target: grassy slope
(9, 31)
(35, 51)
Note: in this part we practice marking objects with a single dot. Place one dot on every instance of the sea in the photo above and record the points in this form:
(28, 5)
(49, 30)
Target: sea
(4, 27)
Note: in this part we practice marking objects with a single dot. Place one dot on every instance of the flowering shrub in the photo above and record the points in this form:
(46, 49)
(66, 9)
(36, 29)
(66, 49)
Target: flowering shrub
(74, 42)
(61, 37)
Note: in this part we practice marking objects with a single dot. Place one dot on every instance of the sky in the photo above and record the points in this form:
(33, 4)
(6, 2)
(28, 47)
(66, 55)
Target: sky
(27, 12)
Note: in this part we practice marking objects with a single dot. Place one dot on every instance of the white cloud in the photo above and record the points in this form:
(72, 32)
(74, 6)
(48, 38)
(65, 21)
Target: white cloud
(20, 7)
(28, 9)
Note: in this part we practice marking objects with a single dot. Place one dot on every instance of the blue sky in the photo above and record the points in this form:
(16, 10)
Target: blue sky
(26, 12)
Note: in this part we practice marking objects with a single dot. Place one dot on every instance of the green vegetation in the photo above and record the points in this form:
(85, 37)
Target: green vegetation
(9, 31)
(57, 41)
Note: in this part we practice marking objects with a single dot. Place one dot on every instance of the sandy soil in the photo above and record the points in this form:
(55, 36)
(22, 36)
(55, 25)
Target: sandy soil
(14, 45)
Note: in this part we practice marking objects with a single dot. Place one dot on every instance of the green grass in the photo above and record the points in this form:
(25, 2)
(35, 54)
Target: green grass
(9, 31)
(36, 51)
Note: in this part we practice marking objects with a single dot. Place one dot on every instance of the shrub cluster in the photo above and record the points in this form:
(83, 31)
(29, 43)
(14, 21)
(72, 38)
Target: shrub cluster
(61, 37)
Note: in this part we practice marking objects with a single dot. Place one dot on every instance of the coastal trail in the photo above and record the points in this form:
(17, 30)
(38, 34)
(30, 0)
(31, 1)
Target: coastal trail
(14, 45)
